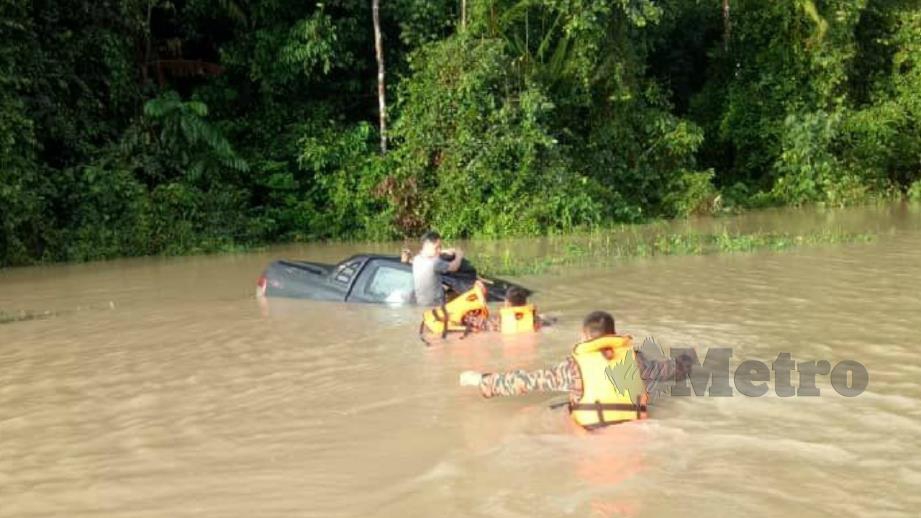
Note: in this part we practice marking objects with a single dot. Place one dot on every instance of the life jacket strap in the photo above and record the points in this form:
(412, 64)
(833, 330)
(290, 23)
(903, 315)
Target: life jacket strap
(444, 320)
(422, 334)
(624, 407)
(442, 316)
(602, 424)
(600, 408)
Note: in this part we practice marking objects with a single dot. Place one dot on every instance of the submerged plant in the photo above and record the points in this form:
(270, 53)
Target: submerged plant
(603, 250)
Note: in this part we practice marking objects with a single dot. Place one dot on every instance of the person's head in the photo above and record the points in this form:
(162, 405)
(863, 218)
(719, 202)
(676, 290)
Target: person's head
(597, 324)
(515, 296)
(431, 244)
(406, 255)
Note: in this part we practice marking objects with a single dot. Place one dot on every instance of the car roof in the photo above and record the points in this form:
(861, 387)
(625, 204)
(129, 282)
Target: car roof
(369, 257)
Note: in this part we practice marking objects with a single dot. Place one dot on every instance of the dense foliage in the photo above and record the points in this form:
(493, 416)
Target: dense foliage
(131, 127)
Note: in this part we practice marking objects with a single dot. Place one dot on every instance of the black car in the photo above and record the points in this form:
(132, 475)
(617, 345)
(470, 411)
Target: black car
(363, 278)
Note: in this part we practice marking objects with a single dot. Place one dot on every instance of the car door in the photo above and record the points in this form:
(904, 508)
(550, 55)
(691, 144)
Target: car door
(382, 281)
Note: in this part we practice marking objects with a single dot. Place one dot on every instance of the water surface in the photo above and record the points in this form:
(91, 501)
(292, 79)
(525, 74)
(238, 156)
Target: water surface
(161, 387)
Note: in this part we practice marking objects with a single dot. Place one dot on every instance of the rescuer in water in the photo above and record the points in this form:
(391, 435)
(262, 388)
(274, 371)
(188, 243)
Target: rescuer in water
(604, 377)
(517, 315)
(469, 313)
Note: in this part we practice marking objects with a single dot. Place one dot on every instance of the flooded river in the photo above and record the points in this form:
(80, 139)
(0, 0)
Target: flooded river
(162, 388)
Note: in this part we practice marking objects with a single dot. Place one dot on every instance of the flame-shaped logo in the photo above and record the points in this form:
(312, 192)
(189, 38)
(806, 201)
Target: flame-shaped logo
(625, 377)
(651, 370)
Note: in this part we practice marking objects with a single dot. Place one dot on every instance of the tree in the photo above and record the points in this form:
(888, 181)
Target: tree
(381, 93)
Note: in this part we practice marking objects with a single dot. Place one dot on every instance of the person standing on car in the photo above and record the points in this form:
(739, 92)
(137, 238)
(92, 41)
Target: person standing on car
(428, 266)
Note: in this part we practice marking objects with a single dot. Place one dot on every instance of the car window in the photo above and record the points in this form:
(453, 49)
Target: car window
(391, 284)
(345, 271)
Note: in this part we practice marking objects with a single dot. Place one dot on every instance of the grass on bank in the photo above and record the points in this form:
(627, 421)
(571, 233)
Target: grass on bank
(604, 250)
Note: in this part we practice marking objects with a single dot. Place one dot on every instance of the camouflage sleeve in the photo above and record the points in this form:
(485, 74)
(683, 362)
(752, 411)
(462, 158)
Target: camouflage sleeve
(654, 370)
(493, 323)
(560, 378)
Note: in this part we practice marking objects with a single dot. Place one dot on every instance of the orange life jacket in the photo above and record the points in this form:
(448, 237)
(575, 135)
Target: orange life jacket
(517, 319)
(613, 390)
(466, 313)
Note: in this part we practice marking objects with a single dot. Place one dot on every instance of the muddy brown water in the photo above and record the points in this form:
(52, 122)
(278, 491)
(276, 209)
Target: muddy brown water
(161, 387)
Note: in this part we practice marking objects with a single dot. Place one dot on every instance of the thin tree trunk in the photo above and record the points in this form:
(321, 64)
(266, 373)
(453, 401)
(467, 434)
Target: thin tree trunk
(147, 36)
(727, 25)
(379, 52)
(463, 15)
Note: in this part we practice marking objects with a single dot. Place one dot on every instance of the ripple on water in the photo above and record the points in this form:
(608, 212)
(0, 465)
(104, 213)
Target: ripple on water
(188, 398)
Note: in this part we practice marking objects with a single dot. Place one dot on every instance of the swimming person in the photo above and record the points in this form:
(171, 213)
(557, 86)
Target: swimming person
(602, 375)
(517, 315)
(467, 313)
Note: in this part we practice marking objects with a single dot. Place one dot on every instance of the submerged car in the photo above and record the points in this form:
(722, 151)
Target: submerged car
(364, 278)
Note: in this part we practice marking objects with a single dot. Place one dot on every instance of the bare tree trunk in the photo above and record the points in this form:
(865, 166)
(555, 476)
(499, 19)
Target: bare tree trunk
(147, 37)
(727, 25)
(463, 15)
(379, 52)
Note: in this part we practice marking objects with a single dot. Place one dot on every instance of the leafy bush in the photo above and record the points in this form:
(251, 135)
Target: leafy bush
(133, 128)
(346, 174)
(476, 149)
(807, 170)
(914, 192)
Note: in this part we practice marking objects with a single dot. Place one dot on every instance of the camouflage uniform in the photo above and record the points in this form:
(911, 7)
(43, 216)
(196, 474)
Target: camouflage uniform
(564, 377)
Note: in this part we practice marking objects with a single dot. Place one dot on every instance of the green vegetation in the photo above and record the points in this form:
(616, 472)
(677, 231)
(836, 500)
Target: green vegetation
(136, 127)
(609, 248)
(25, 315)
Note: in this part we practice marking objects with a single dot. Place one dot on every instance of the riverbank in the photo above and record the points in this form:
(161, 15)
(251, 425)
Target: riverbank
(603, 249)
(731, 233)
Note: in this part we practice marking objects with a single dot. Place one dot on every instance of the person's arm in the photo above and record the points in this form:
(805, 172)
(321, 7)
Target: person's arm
(541, 321)
(455, 263)
(560, 378)
(493, 323)
(654, 370)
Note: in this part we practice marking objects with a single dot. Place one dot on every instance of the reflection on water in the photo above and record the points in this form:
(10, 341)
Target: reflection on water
(184, 397)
